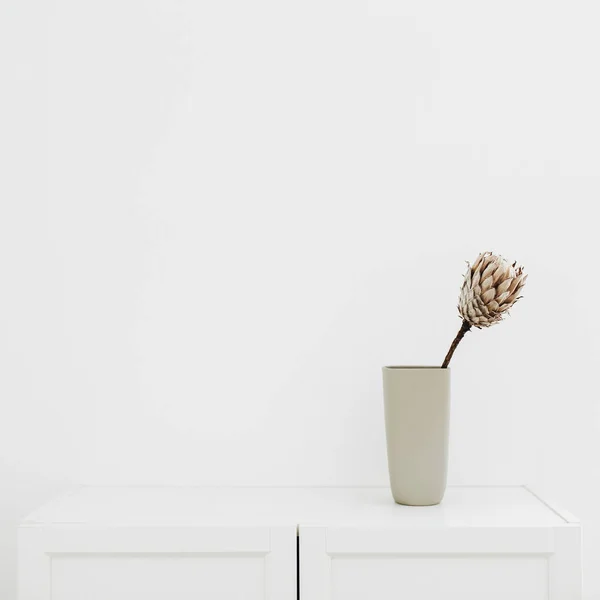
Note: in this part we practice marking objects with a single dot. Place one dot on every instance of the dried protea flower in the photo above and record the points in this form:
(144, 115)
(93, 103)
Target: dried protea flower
(491, 287)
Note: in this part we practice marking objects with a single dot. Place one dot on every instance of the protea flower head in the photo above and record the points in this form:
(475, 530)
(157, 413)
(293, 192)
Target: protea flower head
(490, 288)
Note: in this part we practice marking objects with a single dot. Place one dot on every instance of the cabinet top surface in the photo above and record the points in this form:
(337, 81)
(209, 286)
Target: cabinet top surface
(278, 506)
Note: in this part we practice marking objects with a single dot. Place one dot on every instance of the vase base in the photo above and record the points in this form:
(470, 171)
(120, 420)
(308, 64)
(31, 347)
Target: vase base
(415, 504)
(432, 500)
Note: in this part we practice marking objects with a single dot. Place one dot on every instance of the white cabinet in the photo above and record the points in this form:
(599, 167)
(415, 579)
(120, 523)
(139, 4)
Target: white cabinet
(492, 543)
(276, 543)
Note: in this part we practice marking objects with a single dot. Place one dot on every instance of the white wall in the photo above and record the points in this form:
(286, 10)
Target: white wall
(219, 219)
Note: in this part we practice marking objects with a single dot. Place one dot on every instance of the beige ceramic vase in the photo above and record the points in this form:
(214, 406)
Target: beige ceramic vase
(417, 413)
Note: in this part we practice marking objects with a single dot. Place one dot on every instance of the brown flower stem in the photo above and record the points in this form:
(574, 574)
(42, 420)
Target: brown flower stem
(459, 336)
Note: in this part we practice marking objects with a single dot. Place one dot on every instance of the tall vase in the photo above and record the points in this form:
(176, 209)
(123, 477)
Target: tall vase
(417, 415)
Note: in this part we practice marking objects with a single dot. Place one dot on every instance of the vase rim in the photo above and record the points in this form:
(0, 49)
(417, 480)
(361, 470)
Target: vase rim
(415, 367)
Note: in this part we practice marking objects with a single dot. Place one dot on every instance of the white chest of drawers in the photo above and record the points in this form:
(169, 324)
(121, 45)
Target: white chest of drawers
(232, 543)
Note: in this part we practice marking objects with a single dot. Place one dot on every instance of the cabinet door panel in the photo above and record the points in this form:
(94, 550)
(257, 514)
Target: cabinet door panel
(169, 563)
(453, 564)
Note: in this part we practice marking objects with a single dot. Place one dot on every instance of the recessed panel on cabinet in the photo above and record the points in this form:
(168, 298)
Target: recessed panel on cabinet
(439, 578)
(157, 577)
